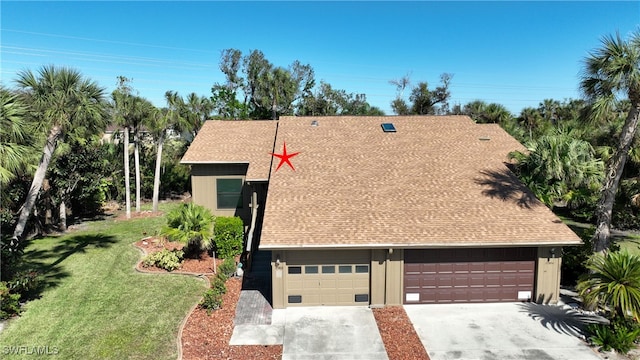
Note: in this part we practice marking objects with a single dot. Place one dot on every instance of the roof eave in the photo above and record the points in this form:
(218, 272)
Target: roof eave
(196, 162)
(418, 246)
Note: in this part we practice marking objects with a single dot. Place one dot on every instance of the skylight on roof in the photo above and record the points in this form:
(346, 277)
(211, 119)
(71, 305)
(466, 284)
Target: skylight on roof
(388, 127)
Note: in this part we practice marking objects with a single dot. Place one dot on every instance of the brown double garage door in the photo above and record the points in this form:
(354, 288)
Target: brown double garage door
(468, 275)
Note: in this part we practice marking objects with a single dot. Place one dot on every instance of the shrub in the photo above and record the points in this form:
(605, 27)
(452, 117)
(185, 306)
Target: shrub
(614, 282)
(228, 267)
(228, 235)
(26, 283)
(9, 302)
(219, 285)
(619, 336)
(164, 259)
(191, 225)
(212, 300)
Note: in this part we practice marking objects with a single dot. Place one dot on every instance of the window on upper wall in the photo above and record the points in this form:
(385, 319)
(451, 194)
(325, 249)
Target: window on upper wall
(229, 193)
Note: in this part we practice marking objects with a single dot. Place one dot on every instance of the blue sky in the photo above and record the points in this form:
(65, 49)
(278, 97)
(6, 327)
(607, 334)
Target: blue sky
(513, 53)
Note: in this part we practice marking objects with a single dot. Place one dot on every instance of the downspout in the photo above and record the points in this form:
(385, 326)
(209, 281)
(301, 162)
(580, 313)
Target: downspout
(254, 216)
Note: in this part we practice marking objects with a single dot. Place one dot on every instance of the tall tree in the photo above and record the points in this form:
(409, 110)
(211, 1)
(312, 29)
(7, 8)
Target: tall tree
(611, 71)
(327, 101)
(531, 119)
(159, 122)
(423, 100)
(63, 101)
(268, 91)
(122, 107)
(129, 112)
(142, 110)
(198, 110)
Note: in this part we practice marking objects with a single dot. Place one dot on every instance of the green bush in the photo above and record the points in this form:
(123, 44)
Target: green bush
(26, 283)
(228, 234)
(619, 335)
(191, 225)
(212, 300)
(164, 259)
(228, 267)
(9, 302)
(219, 285)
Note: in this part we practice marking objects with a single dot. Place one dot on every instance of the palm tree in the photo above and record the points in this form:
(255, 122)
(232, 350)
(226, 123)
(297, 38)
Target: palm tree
(142, 109)
(122, 105)
(560, 168)
(531, 119)
(613, 281)
(612, 70)
(200, 109)
(131, 111)
(15, 138)
(63, 101)
(159, 123)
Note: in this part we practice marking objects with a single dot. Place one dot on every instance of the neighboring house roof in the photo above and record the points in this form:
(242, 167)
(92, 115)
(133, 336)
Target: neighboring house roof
(437, 181)
(226, 141)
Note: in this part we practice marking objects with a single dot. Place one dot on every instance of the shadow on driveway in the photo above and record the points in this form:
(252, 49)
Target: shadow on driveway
(500, 331)
(561, 319)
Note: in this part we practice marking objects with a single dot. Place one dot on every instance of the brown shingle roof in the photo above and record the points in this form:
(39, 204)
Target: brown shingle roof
(437, 181)
(221, 141)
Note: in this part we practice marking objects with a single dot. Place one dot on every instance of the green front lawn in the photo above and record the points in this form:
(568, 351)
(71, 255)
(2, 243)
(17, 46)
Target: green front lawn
(95, 305)
(631, 243)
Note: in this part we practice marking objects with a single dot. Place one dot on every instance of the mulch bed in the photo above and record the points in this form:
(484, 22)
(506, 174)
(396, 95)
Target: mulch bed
(201, 265)
(398, 335)
(207, 336)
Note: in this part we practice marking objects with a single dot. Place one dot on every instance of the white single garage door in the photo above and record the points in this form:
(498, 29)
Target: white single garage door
(327, 278)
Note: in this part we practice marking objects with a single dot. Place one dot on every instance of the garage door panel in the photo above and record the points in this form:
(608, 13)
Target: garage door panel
(414, 268)
(329, 277)
(468, 275)
(461, 281)
(461, 268)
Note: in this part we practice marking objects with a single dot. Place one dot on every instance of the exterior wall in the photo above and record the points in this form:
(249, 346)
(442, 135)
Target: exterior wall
(203, 184)
(547, 286)
(378, 277)
(387, 273)
(395, 277)
(278, 270)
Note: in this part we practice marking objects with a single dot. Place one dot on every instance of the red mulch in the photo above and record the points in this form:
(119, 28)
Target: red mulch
(201, 265)
(398, 335)
(207, 336)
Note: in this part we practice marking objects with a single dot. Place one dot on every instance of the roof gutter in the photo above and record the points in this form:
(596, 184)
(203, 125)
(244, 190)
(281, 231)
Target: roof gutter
(419, 246)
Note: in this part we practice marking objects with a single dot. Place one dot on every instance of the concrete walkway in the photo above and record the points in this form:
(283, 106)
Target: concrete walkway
(501, 331)
(313, 333)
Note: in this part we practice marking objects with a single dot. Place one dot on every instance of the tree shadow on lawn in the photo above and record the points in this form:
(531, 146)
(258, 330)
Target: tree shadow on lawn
(561, 319)
(51, 272)
(506, 186)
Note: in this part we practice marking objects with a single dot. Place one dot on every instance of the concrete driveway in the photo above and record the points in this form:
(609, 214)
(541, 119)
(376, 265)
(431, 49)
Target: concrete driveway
(501, 331)
(314, 333)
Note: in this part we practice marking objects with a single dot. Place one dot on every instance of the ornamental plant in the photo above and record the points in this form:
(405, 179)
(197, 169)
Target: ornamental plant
(229, 236)
(191, 225)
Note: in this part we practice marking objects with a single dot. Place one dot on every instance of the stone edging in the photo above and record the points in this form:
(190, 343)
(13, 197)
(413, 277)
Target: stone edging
(138, 267)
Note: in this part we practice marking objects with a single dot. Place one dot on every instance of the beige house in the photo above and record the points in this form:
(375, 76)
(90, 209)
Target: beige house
(382, 210)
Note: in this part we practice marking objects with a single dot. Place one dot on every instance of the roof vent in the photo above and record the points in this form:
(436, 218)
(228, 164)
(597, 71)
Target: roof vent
(484, 138)
(314, 122)
(388, 127)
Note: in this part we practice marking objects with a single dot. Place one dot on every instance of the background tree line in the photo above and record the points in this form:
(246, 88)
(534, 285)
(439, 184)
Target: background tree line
(54, 163)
